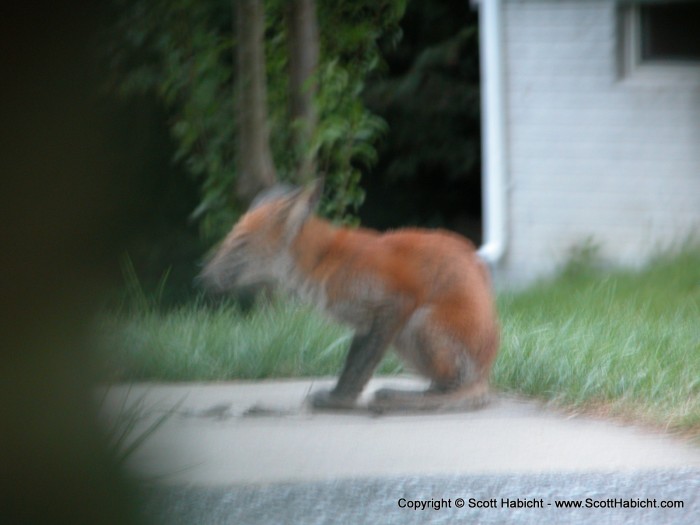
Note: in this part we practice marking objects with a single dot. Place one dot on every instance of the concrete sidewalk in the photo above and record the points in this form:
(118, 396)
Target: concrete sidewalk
(259, 433)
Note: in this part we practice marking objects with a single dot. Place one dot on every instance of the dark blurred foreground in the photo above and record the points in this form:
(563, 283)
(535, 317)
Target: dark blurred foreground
(65, 190)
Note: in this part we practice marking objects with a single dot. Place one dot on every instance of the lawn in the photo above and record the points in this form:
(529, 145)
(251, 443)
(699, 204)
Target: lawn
(200, 342)
(624, 343)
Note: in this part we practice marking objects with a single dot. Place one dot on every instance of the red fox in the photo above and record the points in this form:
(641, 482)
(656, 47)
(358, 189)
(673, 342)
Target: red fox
(425, 292)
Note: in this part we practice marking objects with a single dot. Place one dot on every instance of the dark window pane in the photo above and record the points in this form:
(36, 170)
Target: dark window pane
(671, 31)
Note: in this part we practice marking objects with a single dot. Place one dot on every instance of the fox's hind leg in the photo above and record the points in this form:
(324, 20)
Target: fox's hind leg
(458, 399)
(458, 382)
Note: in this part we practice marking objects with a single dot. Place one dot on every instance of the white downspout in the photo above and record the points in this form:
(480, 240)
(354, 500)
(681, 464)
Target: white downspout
(494, 184)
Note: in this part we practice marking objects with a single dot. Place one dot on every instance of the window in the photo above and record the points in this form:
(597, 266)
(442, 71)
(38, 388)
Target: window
(670, 31)
(659, 42)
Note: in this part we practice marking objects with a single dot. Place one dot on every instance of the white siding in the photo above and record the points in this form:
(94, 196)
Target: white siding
(591, 154)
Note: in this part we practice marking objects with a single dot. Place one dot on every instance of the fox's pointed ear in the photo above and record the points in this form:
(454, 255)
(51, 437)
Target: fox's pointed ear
(302, 206)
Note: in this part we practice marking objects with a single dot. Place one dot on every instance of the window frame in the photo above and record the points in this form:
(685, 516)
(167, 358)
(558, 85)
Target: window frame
(633, 68)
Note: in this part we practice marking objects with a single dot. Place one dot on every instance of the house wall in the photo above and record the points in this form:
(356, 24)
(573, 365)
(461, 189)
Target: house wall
(593, 153)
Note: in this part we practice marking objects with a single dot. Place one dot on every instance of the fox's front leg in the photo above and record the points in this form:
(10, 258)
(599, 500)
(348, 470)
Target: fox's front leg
(366, 351)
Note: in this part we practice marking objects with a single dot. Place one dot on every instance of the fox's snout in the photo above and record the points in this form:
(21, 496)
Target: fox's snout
(209, 281)
(217, 277)
(234, 269)
(256, 251)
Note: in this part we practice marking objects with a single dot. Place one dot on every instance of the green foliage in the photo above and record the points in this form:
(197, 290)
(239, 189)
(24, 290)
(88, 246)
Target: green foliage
(430, 98)
(347, 131)
(182, 51)
(343, 139)
(434, 111)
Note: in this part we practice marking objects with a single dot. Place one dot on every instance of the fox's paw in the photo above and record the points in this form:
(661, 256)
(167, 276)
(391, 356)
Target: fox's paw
(388, 395)
(328, 400)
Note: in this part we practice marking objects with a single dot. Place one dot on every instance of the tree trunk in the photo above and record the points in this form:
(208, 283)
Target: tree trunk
(254, 165)
(303, 44)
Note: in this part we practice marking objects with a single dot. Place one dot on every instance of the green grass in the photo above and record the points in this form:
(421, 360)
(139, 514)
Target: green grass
(200, 342)
(625, 343)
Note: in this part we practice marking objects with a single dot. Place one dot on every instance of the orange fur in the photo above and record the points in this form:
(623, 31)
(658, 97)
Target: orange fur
(415, 268)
